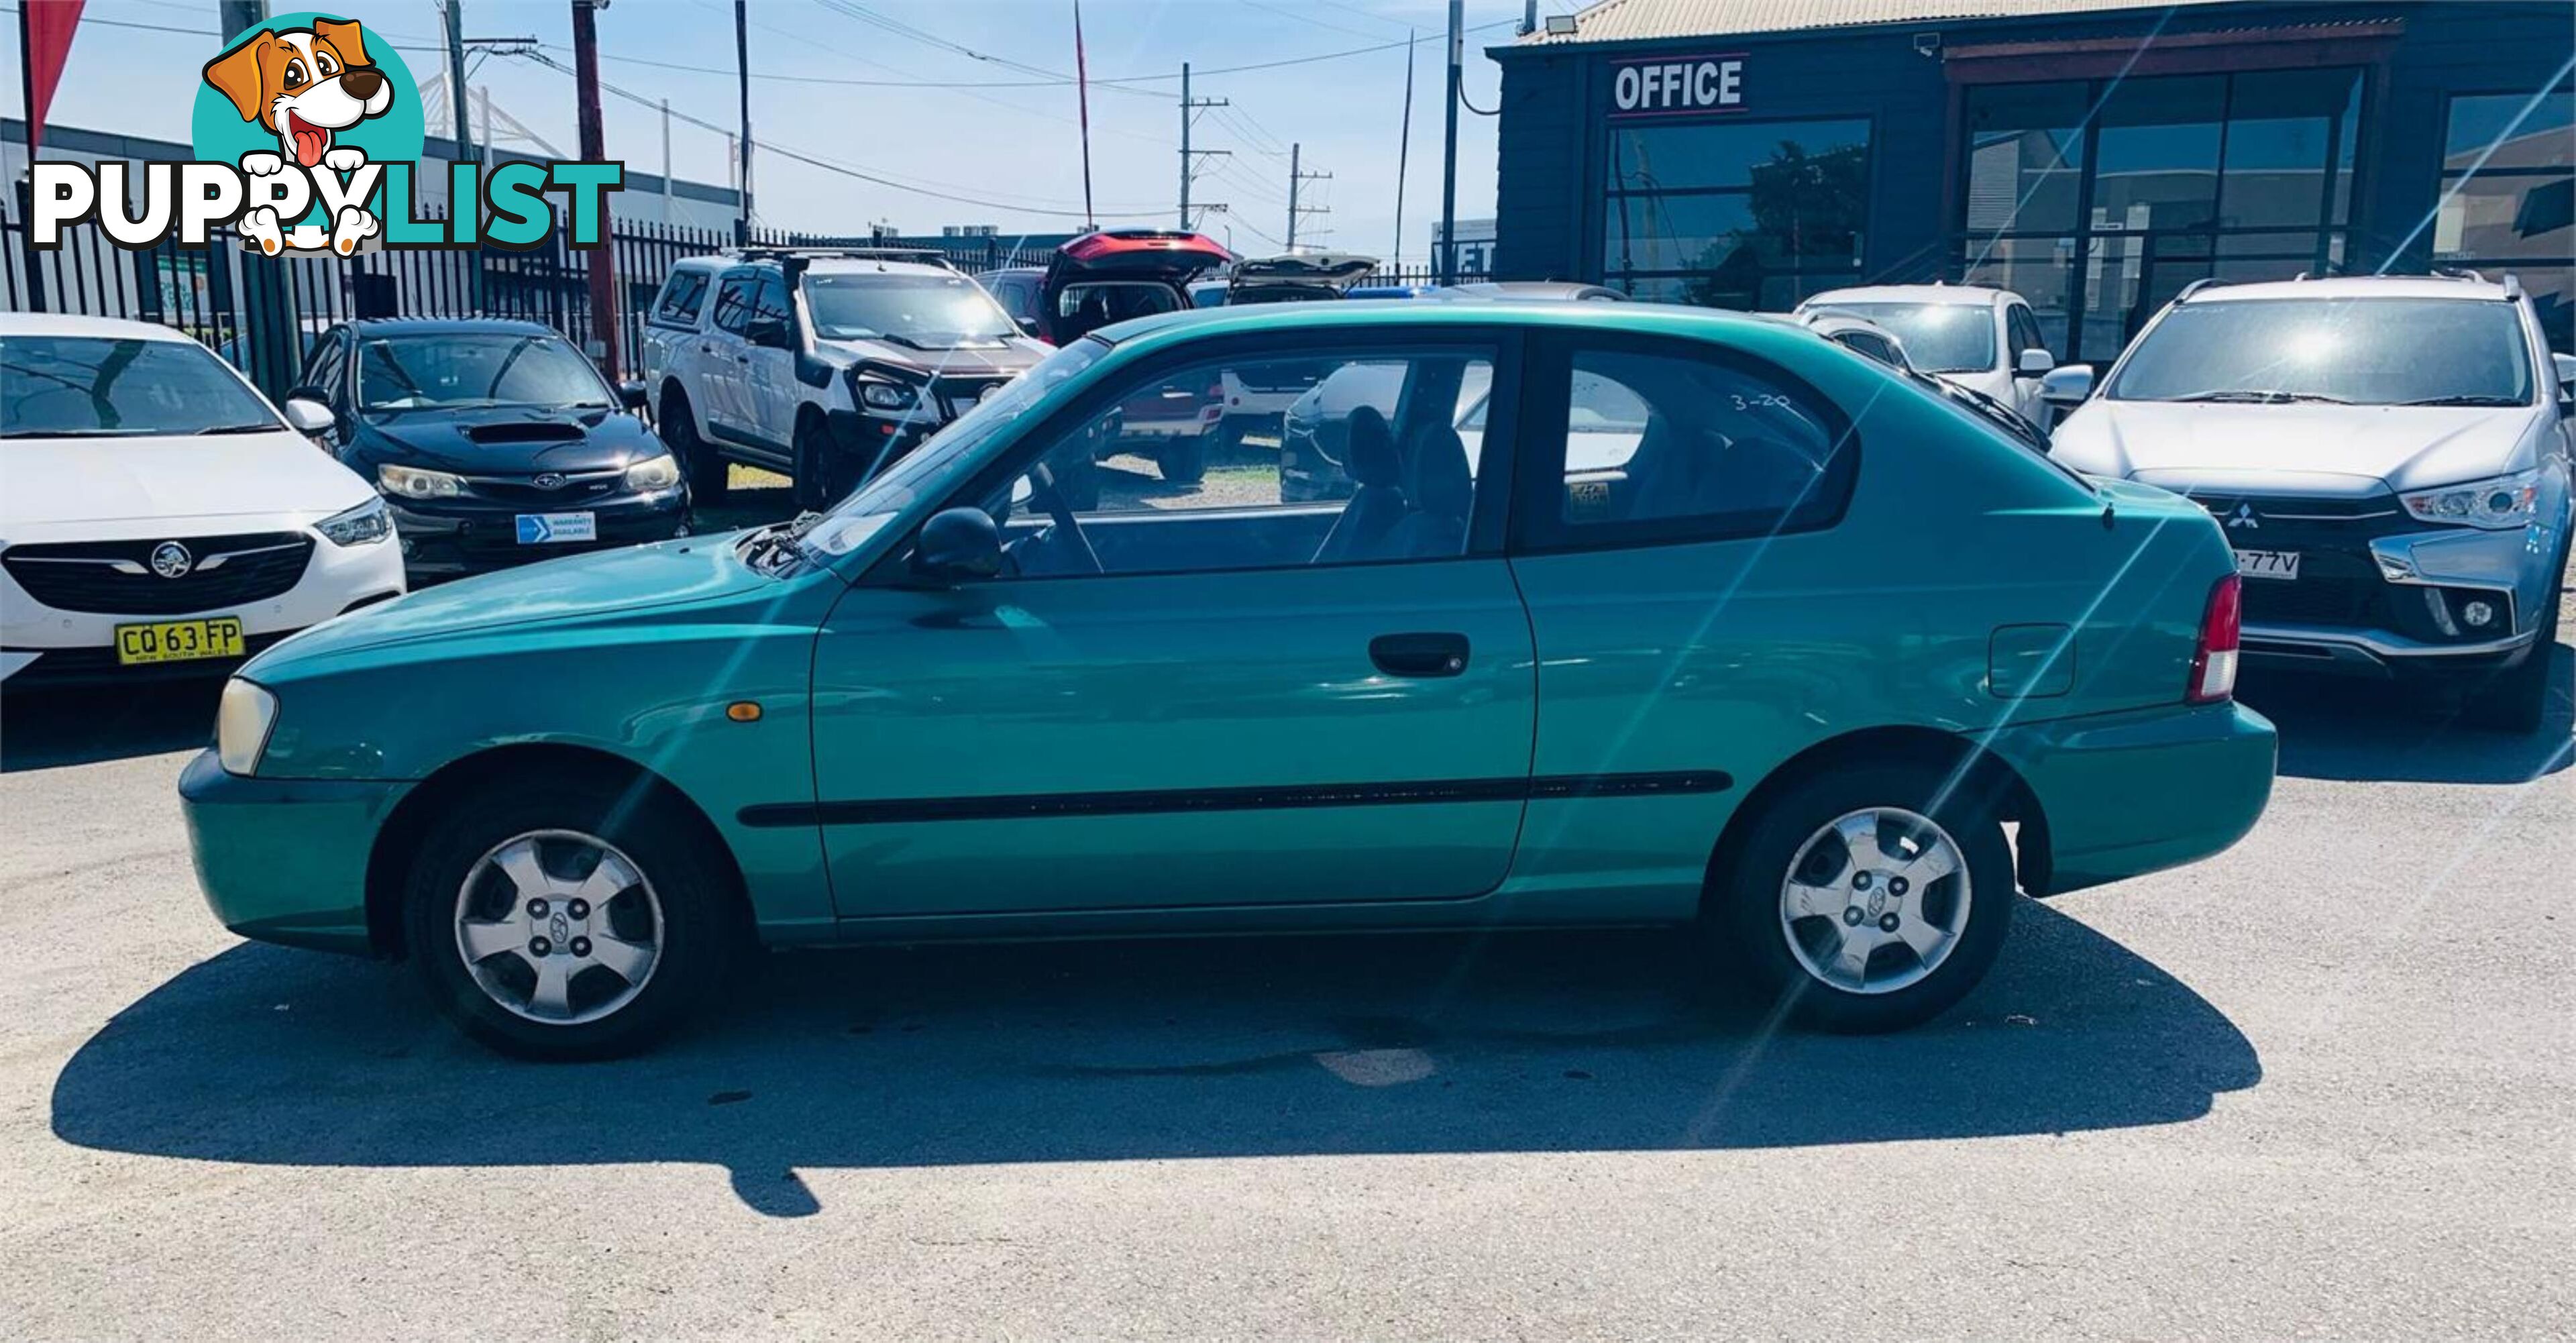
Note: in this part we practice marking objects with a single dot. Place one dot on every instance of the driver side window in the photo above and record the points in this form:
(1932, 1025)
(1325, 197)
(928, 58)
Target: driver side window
(1285, 459)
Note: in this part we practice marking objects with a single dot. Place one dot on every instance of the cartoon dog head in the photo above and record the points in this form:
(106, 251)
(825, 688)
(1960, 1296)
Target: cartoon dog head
(304, 84)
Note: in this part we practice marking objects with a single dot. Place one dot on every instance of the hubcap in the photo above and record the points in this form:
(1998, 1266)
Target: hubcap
(1875, 900)
(558, 926)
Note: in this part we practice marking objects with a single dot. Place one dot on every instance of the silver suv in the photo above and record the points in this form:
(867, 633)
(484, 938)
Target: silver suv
(2388, 455)
(823, 364)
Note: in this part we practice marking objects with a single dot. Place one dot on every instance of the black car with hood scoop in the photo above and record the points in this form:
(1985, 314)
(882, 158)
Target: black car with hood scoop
(494, 442)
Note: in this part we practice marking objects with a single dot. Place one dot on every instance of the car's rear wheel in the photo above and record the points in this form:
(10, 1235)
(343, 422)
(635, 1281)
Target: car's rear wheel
(1868, 899)
(557, 919)
(710, 476)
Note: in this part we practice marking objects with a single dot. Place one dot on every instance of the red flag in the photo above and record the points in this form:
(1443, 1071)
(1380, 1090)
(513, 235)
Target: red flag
(1082, 86)
(45, 28)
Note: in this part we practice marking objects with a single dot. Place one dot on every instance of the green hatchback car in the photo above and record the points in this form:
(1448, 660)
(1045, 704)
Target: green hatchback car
(1631, 615)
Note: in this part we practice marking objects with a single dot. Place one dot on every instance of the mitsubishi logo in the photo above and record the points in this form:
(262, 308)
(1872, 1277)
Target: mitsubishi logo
(2244, 517)
(172, 560)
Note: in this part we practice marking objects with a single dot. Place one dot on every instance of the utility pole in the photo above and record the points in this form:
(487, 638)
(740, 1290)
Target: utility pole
(1529, 17)
(456, 79)
(666, 161)
(1448, 257)
(1297, 178)
(742, 71)
(604, 331)
(1403, 151)
(268, 328)
(1189, 164)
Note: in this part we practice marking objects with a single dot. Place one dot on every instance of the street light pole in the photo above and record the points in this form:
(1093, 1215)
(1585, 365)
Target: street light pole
(604, 333)
(1449, 157)
(742, 71)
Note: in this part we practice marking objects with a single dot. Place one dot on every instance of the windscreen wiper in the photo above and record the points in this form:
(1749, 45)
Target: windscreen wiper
(2463, 400)
(2263, 398)
(239, 429)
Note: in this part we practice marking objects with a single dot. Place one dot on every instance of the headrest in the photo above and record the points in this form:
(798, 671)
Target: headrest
(1371, 449)
(1442, 485)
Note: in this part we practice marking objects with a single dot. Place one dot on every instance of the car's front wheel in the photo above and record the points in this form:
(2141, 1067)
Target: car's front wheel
(710, 476)
(2517, 701)
(561, 919)
(1869, 898)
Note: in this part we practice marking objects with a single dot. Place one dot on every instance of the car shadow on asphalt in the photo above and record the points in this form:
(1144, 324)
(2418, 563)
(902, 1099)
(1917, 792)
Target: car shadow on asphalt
(52, 727)
(2369, 732)
(1146, 1051)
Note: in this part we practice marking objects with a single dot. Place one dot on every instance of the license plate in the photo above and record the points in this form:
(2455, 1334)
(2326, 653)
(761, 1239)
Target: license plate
(2280, 564)
(179, 640)
(538, 529)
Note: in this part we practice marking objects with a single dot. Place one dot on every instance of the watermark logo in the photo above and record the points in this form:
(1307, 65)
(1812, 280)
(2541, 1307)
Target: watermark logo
(308, 137)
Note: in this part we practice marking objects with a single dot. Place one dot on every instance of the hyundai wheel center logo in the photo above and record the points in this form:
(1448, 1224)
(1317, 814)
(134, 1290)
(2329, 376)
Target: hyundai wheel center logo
(172, 560)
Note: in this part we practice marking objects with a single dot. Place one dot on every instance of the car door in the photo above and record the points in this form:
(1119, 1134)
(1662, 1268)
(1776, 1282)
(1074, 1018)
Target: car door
(1228, 708)
(769, 367)
(724, 359)
(1673, 534)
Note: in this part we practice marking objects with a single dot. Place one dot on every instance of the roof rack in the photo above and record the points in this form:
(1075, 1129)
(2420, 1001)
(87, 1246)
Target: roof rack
(2458, 273)
(2196, 286)
(918, 256)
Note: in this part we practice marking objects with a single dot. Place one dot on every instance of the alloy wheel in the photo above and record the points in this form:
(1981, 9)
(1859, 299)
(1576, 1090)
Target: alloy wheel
(558, 927)
(1875, 900)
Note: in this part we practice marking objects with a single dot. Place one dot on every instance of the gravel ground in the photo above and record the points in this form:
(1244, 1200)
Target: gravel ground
(2324, 1085)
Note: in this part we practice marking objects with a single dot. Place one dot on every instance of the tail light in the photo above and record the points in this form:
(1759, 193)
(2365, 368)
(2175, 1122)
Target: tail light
(2213, 663)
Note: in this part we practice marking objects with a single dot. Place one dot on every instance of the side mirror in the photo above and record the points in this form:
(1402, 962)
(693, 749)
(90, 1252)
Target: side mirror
(958, 544)
(768, 332)
(309, 416)
(2566, 366)
(632, 394)
(1029, 327)
(2066, 385)
(2035, 363)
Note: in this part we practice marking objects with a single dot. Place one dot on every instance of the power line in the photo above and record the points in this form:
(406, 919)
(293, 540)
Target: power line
(1304, 18)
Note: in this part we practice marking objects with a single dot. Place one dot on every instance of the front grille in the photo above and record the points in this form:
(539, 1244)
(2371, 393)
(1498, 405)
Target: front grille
(2312, 600)
(577, 489)
(117, 578)
(2338, 582)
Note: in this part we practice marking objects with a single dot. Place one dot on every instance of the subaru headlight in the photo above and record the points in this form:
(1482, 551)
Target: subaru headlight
(653, 473)
(242, 722)
(2500, 504)
(411, 482)
(367, 523)
(878, 395)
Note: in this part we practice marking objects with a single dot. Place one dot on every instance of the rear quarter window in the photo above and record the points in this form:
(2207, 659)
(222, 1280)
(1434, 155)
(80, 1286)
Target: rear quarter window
(681, 299)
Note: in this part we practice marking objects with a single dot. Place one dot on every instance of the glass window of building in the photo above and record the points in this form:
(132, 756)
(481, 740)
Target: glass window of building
(1735, 214)
(2099, 200)
(2508, 197)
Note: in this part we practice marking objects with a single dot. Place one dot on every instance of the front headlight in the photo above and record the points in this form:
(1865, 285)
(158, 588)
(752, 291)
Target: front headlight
(411, 482)
(877, 395)
(242, 721)
(368, 522)
(653, 473)
(2500, 504)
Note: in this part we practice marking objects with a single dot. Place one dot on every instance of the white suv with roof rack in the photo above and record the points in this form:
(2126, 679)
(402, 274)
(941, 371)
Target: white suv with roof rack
(822, 364)
(2389, 455)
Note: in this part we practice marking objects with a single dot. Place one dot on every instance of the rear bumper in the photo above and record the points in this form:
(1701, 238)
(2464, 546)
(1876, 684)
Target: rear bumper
(285, 860)
(2122, 795)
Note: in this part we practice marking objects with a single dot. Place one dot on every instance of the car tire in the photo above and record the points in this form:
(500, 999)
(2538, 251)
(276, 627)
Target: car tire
(1922, 937)
(2517, 701)
(818, 483)
(547, 984)
(1183, 459)
(710, 475)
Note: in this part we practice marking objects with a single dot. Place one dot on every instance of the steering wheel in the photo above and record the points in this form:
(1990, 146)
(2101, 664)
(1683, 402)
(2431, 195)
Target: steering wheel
(1042, 488)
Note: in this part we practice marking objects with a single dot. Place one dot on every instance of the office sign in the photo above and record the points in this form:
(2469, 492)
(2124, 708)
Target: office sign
(1678, 86)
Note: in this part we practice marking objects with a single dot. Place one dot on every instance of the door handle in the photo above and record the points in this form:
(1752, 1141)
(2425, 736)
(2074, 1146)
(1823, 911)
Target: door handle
(1421, 655)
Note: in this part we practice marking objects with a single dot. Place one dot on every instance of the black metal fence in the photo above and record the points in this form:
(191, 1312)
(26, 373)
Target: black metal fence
(201, 290)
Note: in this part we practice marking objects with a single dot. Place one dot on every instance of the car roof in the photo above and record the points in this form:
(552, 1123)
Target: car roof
(850, 265)
(452, 326)
(2356, 286)
(1650, 318)
(1906, 293)
(74, 324)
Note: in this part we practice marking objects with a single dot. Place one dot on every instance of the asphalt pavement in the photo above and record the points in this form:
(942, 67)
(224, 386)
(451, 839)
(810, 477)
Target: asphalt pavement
(2324, 1084)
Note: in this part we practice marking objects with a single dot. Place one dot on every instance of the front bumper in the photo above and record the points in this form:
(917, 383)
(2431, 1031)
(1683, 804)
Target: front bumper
(2409, 595)
(2124, 794)
(285, 860)
(453, 542)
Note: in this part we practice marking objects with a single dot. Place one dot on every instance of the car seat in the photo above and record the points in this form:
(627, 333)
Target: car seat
(1377, 505)
(1442, 489)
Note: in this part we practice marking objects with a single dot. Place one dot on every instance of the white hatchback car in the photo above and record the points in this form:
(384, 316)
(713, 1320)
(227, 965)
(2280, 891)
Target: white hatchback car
(1985, 340)
(158, 514)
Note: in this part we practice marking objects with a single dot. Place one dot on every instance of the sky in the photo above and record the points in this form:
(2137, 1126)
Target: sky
(1015, 152)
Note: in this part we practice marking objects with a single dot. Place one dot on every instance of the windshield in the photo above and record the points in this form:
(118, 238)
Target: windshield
(864, 514)
(2363, 352)
(99, 387)
(1938, 337)
(469, 368)
(935, 311)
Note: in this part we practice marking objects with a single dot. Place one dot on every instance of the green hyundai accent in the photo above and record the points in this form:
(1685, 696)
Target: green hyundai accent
(1534, 615)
